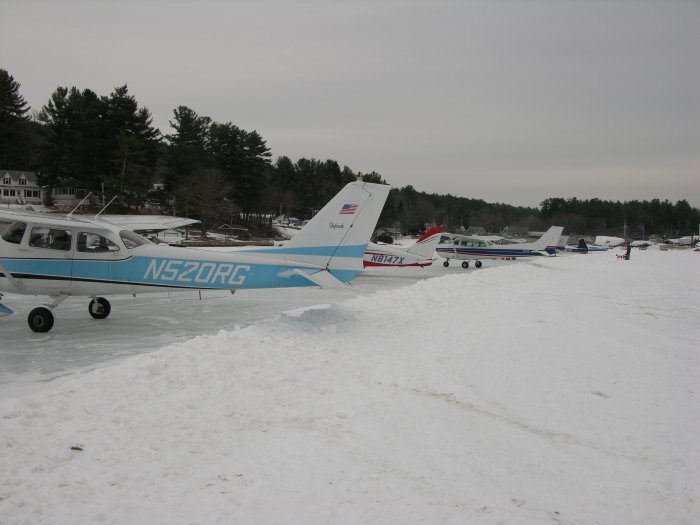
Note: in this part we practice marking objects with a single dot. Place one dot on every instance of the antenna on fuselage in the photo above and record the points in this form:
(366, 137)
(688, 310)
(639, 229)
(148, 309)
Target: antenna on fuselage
(81, 203)
(110, 202)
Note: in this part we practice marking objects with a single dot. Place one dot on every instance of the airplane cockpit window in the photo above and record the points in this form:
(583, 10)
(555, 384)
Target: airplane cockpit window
(14, 232)
(50, 238)
(132, 240)
(93, 243)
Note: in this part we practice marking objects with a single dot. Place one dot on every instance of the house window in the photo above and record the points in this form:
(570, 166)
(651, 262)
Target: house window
(7, 180)
(22, 181)
(31, 194)
(8, 193)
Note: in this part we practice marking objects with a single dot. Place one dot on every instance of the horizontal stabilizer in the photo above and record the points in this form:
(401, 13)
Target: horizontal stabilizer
(425, 246)
(4, 310)
(323, 279)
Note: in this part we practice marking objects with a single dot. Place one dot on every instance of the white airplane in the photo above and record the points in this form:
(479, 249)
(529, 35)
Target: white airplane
(610, 242)
(460, 247)
(64, 255)
(420, 254)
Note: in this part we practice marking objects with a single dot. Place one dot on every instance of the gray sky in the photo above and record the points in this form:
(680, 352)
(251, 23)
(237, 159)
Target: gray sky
(509, 101)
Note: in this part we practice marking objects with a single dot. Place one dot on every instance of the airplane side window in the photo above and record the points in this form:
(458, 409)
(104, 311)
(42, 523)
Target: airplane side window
(93, 243)
(14, 232)
(50, 238)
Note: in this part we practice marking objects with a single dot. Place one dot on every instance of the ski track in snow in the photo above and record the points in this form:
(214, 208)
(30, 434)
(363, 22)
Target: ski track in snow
(561, 390)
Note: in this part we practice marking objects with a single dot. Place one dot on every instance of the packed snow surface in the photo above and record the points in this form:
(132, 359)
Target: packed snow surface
(562, 390)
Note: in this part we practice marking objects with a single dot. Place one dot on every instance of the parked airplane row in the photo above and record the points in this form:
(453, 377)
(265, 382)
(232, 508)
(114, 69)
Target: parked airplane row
(67, 255)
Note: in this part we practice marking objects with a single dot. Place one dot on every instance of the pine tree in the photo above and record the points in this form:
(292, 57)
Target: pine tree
(16, 133)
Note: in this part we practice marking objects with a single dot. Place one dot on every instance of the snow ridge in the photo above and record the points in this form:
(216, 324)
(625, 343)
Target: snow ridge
(557, 390)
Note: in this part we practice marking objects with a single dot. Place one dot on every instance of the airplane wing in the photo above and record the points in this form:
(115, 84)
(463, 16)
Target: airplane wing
(19, 215)
(152, 223)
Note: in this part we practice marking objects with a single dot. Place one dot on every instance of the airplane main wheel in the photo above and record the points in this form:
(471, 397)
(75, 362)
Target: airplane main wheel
(477, 264)
(99, 308)
(40, 319)
(465, 264)
(446, 264)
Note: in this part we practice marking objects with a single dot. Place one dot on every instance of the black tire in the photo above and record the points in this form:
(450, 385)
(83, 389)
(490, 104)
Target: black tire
(99, 308)
(40, 320)
(465, 264)
(446, 264)
(477, 264)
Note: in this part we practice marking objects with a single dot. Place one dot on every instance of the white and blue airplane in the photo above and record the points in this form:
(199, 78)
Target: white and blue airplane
(66, 255)
(464, 248)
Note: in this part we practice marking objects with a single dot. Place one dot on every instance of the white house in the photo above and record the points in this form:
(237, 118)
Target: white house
(19, 187)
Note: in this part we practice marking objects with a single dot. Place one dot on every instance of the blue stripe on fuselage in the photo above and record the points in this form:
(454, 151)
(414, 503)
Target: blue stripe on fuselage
(491, 253)
(168, 272)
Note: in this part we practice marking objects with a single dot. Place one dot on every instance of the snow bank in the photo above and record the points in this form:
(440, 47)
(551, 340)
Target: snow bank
(562, 390)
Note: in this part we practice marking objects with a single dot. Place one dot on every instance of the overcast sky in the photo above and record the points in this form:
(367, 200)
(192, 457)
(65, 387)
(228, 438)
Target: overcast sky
(509, 101)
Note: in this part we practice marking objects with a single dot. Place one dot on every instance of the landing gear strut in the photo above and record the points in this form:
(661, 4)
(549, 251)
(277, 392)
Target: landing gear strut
(99, 308)
(41, 319)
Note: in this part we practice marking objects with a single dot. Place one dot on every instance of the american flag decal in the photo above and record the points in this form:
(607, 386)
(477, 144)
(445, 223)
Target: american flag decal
(348, 209)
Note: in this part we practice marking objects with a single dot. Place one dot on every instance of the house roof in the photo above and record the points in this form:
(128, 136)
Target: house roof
(29, 175)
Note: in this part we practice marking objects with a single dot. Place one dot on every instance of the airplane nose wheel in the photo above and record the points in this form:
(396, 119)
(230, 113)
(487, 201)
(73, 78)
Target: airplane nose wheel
(465, 264)
(40, 320)
(99, 308)
(446, 264)
(477, 264)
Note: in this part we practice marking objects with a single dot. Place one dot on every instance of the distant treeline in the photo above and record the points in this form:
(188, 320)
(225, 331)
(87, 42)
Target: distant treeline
(221, 173)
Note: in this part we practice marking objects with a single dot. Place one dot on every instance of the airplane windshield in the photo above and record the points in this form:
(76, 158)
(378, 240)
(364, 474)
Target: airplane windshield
(132, 240)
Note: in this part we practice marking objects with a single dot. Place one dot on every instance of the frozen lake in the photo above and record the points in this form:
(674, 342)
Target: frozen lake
(560, 390)
(151, 321)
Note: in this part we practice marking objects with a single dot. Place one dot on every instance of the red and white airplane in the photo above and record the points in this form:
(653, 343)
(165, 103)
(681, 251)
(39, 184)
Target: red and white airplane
(420, 254)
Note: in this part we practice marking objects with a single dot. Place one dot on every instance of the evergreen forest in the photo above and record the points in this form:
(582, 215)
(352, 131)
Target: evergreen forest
(220, 173)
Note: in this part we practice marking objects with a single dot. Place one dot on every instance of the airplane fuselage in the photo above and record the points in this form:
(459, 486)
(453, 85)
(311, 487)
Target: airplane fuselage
(152, 268)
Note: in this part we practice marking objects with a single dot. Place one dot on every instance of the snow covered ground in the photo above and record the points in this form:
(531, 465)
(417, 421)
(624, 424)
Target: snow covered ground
(561, 390)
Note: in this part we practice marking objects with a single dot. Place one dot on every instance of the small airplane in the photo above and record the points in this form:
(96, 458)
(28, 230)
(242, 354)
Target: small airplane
(460, 247)
(584, 247)
(420, 254)
(610, 242)
(67, 255)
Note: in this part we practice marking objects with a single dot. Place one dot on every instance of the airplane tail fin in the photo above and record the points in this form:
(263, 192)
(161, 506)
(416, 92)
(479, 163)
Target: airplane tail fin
(337, 236)
(550, 240)
(582, 245)
(425, 246)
